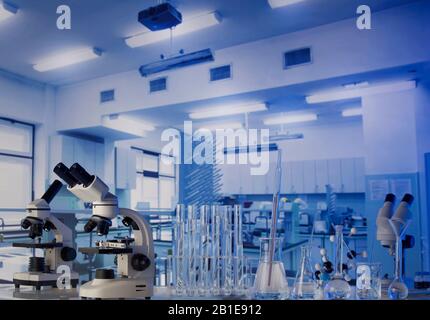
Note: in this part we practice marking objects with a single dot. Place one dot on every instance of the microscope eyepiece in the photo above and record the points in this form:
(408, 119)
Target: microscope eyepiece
(52, 191)
(408, 198)
(80, 174)
(390, 198)
(63, 172)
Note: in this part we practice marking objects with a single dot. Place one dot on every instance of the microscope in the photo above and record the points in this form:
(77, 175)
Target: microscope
(388, 219)
(135, 256)
(42, 271)
(399, 218)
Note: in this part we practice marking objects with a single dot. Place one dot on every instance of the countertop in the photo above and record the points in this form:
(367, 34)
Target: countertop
(8, 292)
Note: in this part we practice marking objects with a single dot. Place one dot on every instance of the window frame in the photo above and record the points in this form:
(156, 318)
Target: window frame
(156, 174)
(32, 127)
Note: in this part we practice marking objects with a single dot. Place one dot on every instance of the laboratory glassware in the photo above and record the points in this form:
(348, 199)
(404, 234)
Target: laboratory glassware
(398, 289)
(305, 284)
(368, 284)
(270, 280)
(204, 254)
(338, 288)
(268, 263)
(238, 262)
(193, 235)
(180, 270)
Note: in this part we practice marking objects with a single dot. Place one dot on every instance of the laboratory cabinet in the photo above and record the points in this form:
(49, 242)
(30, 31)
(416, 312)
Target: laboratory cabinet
(70, 150)
(298, 177)
(125, 168)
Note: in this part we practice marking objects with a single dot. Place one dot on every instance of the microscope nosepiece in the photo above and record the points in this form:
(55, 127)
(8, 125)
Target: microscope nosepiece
(103, 227)
(36, 230)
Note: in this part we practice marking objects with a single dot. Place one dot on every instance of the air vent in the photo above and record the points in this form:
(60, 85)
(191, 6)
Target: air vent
(158, 85)
(106, 96)
(297, 57)
(220, 73)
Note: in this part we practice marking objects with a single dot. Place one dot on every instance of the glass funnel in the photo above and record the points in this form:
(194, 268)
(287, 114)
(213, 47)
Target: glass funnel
(270, 280)
(305, 284)
(398, 289)
(338, 288)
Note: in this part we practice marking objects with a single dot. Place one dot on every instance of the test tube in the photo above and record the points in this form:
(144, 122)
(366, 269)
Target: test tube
(238, 262)
(204, 268)
(227, 254)
(179, 261)
(193, 249)
(216, 251)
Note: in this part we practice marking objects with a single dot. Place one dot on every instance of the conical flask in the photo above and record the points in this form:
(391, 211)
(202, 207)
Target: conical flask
(305, 284)
(270, 280)
(338, 288)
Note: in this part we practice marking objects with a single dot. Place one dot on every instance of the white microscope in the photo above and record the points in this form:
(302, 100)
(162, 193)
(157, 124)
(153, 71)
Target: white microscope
(42, 271)
(135, 256)
(399, 218)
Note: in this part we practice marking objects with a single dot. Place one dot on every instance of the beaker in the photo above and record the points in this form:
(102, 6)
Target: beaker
(368, 286)
(338, 288)
(305, 284)
(270, 281)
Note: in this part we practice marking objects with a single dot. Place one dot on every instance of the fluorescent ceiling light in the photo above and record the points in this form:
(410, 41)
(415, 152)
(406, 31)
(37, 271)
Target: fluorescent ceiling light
(67, 59)
(356, 85)
(360, 92)
(352, 112)
(227, 111)
(290, 119)
(127, 124)
(221, 126)
(282, 3)
(189, 25)
(7, 11)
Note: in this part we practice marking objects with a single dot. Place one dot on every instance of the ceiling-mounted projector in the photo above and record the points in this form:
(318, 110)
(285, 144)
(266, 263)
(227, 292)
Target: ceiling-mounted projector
(163, 16)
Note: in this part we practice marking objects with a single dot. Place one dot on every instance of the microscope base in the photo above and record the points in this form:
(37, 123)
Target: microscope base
(39, 279)
(119, 288)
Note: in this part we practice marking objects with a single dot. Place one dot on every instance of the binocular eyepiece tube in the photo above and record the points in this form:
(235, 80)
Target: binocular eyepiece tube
(52, 191)
(75, 175)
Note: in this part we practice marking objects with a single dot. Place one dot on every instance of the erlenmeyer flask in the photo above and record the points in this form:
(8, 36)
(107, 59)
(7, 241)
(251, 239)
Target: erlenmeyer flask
(305, 284)
(270, 280)
(338, 288)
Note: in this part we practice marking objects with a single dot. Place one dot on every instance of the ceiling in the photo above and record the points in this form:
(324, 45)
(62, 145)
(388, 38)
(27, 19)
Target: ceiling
(32, 34)
(280, 100)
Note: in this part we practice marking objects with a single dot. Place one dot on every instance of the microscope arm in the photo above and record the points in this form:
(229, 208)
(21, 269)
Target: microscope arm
(142, 231)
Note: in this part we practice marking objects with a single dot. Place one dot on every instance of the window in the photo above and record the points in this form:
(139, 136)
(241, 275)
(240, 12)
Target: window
(16, 164)
(156, 181)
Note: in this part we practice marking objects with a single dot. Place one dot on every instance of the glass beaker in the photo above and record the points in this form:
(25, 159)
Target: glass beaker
(305, 284)
(368, 286)
(270, 280)
(338, 288)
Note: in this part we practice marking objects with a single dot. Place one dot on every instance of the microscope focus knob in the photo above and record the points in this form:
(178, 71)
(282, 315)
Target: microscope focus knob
(140, 262)
(68, 254)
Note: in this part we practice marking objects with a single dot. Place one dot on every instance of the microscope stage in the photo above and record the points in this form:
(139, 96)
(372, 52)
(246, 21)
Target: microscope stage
(95, 250)
(48, 245)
